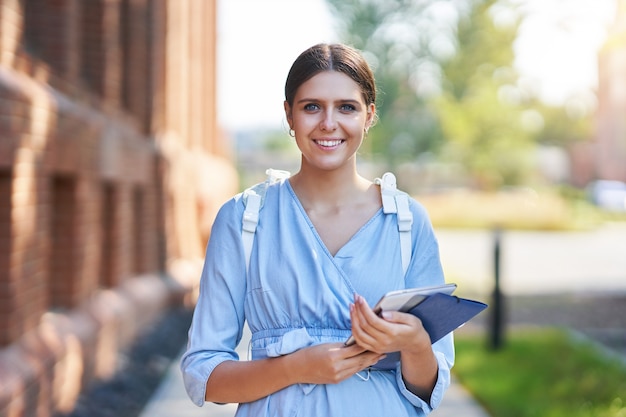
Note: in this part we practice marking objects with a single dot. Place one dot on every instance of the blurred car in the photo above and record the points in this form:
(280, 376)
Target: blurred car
(609, 195)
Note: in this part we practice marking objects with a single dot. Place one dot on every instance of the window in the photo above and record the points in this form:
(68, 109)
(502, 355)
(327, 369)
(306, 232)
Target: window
(108, 257)
(46, 30)
(92, 69)
(62, 284)
(6, 296)
(138, 230)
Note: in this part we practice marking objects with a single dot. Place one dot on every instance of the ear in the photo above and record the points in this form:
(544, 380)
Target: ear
(288, 114)
(371, 114)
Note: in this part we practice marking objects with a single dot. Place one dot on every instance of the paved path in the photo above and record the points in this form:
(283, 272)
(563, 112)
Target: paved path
(537, 262)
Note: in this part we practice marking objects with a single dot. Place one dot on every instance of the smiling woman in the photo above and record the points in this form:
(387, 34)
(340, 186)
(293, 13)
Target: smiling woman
(329, 113)
(323, 252)
(330, 97)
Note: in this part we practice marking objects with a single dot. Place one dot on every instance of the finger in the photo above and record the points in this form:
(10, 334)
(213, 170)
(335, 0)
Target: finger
(367, 318)
(381, 333)
(360, 329)
(352, 350)
(370, 361)
(357, 328)
(368, 334)
(365, 360)
(410, 326)
(365, 309)
(400, 318)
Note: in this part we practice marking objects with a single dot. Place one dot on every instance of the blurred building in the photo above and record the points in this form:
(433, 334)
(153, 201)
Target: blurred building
(611, 120)
(111, 170)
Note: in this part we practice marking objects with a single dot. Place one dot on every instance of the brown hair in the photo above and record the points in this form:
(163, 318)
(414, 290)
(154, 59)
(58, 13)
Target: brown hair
(331, 57)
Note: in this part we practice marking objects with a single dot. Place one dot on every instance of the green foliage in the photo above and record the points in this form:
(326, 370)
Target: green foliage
(276, 141)
(543, 373)
(563, 125)
(484, 51)
(449, 88)
(481, 107)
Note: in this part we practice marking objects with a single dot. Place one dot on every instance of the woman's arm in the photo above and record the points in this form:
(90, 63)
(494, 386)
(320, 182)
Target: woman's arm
(245, 381)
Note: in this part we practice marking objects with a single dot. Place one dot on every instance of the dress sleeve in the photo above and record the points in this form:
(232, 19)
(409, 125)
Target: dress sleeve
(425, 270)
(218, 319)
(444, 350)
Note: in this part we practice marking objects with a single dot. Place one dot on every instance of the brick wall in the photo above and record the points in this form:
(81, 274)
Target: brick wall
(611, 120)
(111, 170)
(610, 146)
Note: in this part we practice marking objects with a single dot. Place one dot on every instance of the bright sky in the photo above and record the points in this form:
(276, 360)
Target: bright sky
(558, 43)
(258, 41)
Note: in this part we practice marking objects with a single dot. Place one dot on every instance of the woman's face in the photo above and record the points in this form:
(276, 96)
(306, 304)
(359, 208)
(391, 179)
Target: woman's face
(329, 117)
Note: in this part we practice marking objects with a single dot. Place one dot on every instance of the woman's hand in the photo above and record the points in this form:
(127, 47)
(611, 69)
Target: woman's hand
(395, 331)
(330, 363)
(390, 332)
(245, 381)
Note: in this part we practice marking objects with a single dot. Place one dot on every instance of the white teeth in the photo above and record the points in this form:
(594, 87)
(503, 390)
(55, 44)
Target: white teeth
(328, 143)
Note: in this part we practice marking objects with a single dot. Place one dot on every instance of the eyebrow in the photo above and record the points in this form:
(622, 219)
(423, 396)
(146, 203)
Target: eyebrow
(349, 100)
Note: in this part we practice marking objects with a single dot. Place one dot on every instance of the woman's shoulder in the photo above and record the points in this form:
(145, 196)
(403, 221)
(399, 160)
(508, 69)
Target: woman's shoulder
(253, 199)
(391, 194)
(416, 206)
(231, 211)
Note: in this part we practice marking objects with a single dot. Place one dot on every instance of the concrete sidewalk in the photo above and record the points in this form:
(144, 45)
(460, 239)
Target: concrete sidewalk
(170, 400)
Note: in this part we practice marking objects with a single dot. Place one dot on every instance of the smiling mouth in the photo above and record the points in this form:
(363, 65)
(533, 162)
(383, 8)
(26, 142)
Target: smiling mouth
(329, 143)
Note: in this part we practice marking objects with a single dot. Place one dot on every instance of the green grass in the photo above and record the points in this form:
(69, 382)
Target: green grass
(542, 373)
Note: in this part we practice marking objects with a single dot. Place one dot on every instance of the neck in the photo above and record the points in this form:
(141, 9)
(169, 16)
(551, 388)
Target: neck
(328, 188)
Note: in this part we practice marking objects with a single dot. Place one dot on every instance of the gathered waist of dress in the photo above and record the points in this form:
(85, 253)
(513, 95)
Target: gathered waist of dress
(272, 343)
(319, 332)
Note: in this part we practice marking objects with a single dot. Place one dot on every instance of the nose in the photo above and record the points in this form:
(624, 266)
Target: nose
(328, 122)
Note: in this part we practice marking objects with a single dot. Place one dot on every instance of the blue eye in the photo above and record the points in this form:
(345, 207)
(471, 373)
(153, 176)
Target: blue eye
(311, 107)
(347, 108)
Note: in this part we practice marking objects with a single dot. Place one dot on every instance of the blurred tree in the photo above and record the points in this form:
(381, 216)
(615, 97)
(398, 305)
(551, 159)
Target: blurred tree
(277, 141)
(564, 125)
(449, 88)
(483, 111)
(401, 40)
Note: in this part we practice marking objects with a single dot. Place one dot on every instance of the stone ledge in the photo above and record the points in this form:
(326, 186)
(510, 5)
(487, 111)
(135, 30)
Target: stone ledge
(46, 369)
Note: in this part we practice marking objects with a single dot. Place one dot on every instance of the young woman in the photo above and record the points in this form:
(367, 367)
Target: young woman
(324, 251)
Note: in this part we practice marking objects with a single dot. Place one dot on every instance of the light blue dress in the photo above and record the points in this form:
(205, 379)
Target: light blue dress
(296, 295)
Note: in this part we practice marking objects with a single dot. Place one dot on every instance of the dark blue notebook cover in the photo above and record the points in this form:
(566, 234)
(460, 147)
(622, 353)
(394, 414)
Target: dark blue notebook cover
(440, 315)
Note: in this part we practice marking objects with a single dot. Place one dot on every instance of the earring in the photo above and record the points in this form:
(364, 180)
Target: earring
(292, 133)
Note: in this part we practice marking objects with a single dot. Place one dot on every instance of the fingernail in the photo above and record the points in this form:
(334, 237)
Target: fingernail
(386, 315)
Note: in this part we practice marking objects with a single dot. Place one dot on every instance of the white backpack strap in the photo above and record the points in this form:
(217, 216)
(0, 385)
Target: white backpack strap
(396, 201)
(253, 199)
(405, 222)
(275, 175)
(250, 221)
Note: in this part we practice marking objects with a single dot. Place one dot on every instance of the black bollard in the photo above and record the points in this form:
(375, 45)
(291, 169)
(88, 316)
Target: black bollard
(497, 308)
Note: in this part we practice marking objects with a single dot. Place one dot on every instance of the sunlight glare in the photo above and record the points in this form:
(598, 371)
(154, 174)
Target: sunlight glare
(558, 45)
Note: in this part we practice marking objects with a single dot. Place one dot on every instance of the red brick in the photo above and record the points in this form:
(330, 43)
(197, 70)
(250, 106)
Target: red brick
(79, 105)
